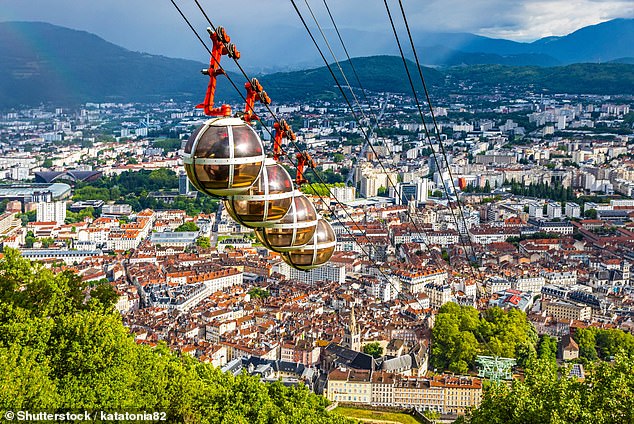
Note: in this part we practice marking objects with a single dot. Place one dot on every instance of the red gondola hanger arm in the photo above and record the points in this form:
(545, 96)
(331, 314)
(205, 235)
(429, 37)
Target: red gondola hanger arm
(220, 46)
(282, 130)
(303, 160)
(255, 92)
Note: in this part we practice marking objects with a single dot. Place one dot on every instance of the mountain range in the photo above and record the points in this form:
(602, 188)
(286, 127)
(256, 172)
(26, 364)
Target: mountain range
(47, 63)
(607, 41)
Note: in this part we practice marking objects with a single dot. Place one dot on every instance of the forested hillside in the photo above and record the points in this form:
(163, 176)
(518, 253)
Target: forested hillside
(61, 350)
(547, 394)
(543, 391)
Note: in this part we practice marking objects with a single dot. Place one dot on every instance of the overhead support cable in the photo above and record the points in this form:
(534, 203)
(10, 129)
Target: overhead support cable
(437, 130)
(428, 135)
(327, 204)
(354, 115)
(376, 118)
(334, 57)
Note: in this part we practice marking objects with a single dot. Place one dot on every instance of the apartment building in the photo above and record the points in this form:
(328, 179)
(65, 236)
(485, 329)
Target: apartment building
(349, 386)
(528, 283)
(568, 311)
(560, 278)
(415, 281)
(438, 294)
(442, 393)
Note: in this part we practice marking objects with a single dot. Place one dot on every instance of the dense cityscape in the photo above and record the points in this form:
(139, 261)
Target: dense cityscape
(524, 213)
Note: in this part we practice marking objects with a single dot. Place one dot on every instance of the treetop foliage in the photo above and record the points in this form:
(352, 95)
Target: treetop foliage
(187, 226)
(596, 343)
(168, 144)
(461, 333)
(134, 188)
(259, 293)
(373, 349)
(541, 190)
(548, 395)
(319, 189)
(62, 350)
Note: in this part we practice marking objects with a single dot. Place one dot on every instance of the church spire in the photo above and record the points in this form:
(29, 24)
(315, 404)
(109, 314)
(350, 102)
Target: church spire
(353, 323)
(352, 333)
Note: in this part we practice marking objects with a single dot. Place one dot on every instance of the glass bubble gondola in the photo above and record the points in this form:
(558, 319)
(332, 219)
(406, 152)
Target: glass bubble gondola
(223, 157)
(317, 252)
(267, 201)
(294, 230)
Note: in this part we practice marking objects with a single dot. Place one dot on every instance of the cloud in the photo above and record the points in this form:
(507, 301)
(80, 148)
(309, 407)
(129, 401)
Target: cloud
(552, 17)
(155, 26)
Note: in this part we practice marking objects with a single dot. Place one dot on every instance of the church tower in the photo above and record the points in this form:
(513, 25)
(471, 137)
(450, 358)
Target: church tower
(352, 335)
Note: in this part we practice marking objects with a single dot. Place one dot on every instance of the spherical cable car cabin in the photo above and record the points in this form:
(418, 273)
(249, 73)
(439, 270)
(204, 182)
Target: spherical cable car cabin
(267, 201)
(294, 230)
(317, 252)
(223, 157)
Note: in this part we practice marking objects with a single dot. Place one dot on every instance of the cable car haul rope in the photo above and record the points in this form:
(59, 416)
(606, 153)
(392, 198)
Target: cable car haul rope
(288, 234)
(304, 239)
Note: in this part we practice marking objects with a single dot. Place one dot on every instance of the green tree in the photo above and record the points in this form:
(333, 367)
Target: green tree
(72, 217)
(609, 394)
(168, 144)
(525, 354)
(29, 240)
(547, 348)
(541, 398)
(46, 242)
(590, 214)
(445, 255)
(91, 193)
(461, 333)
(548, 395)
(25, 380)
(187, 226)
(104, 296)
(27, 217)
(603, 343)
(259, 293)
(454, 345)
(373, 349)
(203, 242)
(60, 351)
(585, 338)
(320, 189)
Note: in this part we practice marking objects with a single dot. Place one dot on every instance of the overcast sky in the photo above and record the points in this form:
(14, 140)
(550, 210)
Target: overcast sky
(154, 26)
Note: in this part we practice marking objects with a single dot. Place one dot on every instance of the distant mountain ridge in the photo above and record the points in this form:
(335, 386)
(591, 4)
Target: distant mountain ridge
(45, 63)
(603, 42)
(596, 43)
(386, 73)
